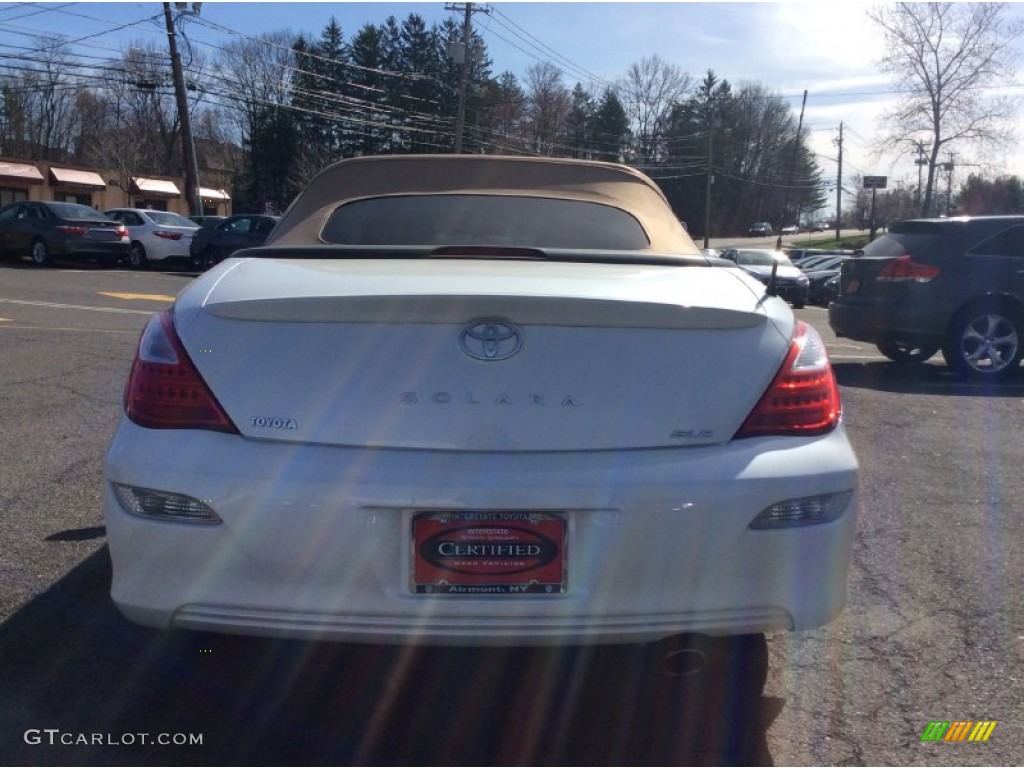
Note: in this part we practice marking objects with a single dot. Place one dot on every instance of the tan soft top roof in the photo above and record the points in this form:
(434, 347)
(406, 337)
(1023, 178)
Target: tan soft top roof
(364, 177)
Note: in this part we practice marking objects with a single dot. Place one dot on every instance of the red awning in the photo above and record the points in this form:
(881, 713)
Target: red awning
(26, 174)
(72, 178)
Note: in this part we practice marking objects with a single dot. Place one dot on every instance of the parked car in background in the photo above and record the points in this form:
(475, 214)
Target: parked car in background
(211, 245)
(818, 257)
(477, 400)
(156, 236)
(797, 255)
(830, 290)
(953, 284)
(53, 230)
(827, 261)
(760, 229)
(790, 283)
(818, 275)
(791, 229)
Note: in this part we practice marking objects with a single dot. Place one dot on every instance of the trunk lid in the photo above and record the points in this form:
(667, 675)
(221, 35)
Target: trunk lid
(483, 355)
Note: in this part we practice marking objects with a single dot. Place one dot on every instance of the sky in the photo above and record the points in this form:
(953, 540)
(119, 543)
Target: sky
(829, 48)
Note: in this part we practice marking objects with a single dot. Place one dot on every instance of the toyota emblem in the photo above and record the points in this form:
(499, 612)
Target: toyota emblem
(490, 339)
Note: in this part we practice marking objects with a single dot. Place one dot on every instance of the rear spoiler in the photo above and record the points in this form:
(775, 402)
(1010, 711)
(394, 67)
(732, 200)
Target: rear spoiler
(566, 255)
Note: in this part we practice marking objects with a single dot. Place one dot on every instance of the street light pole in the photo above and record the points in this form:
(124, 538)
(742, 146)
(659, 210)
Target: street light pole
(188, 147)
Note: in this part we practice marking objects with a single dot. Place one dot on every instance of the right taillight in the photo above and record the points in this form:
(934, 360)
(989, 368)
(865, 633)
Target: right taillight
(803, 398)
(904, 269)
(164, 389)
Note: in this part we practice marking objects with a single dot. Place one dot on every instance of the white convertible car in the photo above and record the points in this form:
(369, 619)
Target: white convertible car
(480, 400)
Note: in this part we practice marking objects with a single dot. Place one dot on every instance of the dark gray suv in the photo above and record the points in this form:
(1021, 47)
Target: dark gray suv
(929, 284)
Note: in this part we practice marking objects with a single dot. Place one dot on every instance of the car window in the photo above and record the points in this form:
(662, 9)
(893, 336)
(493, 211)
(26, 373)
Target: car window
(1007, 243)
(241, 225)
(898, 244)
(128, 217)
(76, 211)
(762, 259)
(484, 220)
(264, 226)
(168, 219)
(11, 212)
(36, 213)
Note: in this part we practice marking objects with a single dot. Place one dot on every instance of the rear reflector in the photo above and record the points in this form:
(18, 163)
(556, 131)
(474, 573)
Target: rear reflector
(803, 398)
(161, 505)
(809, 510)
(164, 389)
(905, 270)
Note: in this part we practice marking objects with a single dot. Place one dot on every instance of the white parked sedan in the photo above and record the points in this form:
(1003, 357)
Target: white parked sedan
(480, 400)
(156, 235)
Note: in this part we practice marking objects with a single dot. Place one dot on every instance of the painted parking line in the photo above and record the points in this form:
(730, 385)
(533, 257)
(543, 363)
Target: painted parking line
(69, 330)
(138, 296)
(54, 305)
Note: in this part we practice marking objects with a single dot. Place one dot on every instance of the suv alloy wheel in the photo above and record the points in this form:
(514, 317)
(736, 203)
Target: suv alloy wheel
(984, 341)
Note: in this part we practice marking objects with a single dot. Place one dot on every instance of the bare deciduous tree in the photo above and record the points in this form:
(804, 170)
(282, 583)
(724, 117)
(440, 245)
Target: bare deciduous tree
(39, 119)
(650, 91)
(547, 107)
(945, 58)
(259, 69)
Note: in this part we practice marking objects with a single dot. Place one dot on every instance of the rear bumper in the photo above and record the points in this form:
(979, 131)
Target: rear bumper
(168, 251)
(84, 248)
(316, 541)
(879, 323)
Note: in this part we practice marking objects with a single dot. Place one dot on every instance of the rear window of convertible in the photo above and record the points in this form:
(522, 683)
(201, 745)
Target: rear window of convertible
(484, 220)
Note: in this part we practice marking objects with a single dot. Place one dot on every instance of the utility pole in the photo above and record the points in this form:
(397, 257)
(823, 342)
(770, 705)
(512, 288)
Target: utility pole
(948, 168)
(710, 177)
(462, 59)
(188, 147)
(839, 185)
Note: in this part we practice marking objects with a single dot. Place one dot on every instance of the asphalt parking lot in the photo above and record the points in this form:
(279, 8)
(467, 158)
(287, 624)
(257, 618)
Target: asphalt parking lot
(934, 630)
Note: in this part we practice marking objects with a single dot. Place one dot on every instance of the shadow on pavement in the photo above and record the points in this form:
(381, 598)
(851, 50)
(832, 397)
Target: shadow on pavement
(69, 662)
(923, 378)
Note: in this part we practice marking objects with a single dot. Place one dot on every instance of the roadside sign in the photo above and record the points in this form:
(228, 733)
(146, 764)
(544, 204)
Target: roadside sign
(875, 182)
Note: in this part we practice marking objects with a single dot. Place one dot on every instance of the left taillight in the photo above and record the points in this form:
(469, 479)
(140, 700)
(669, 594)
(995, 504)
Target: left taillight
(165, 390)
(903, 269)
(167, 235)
(803, 398)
